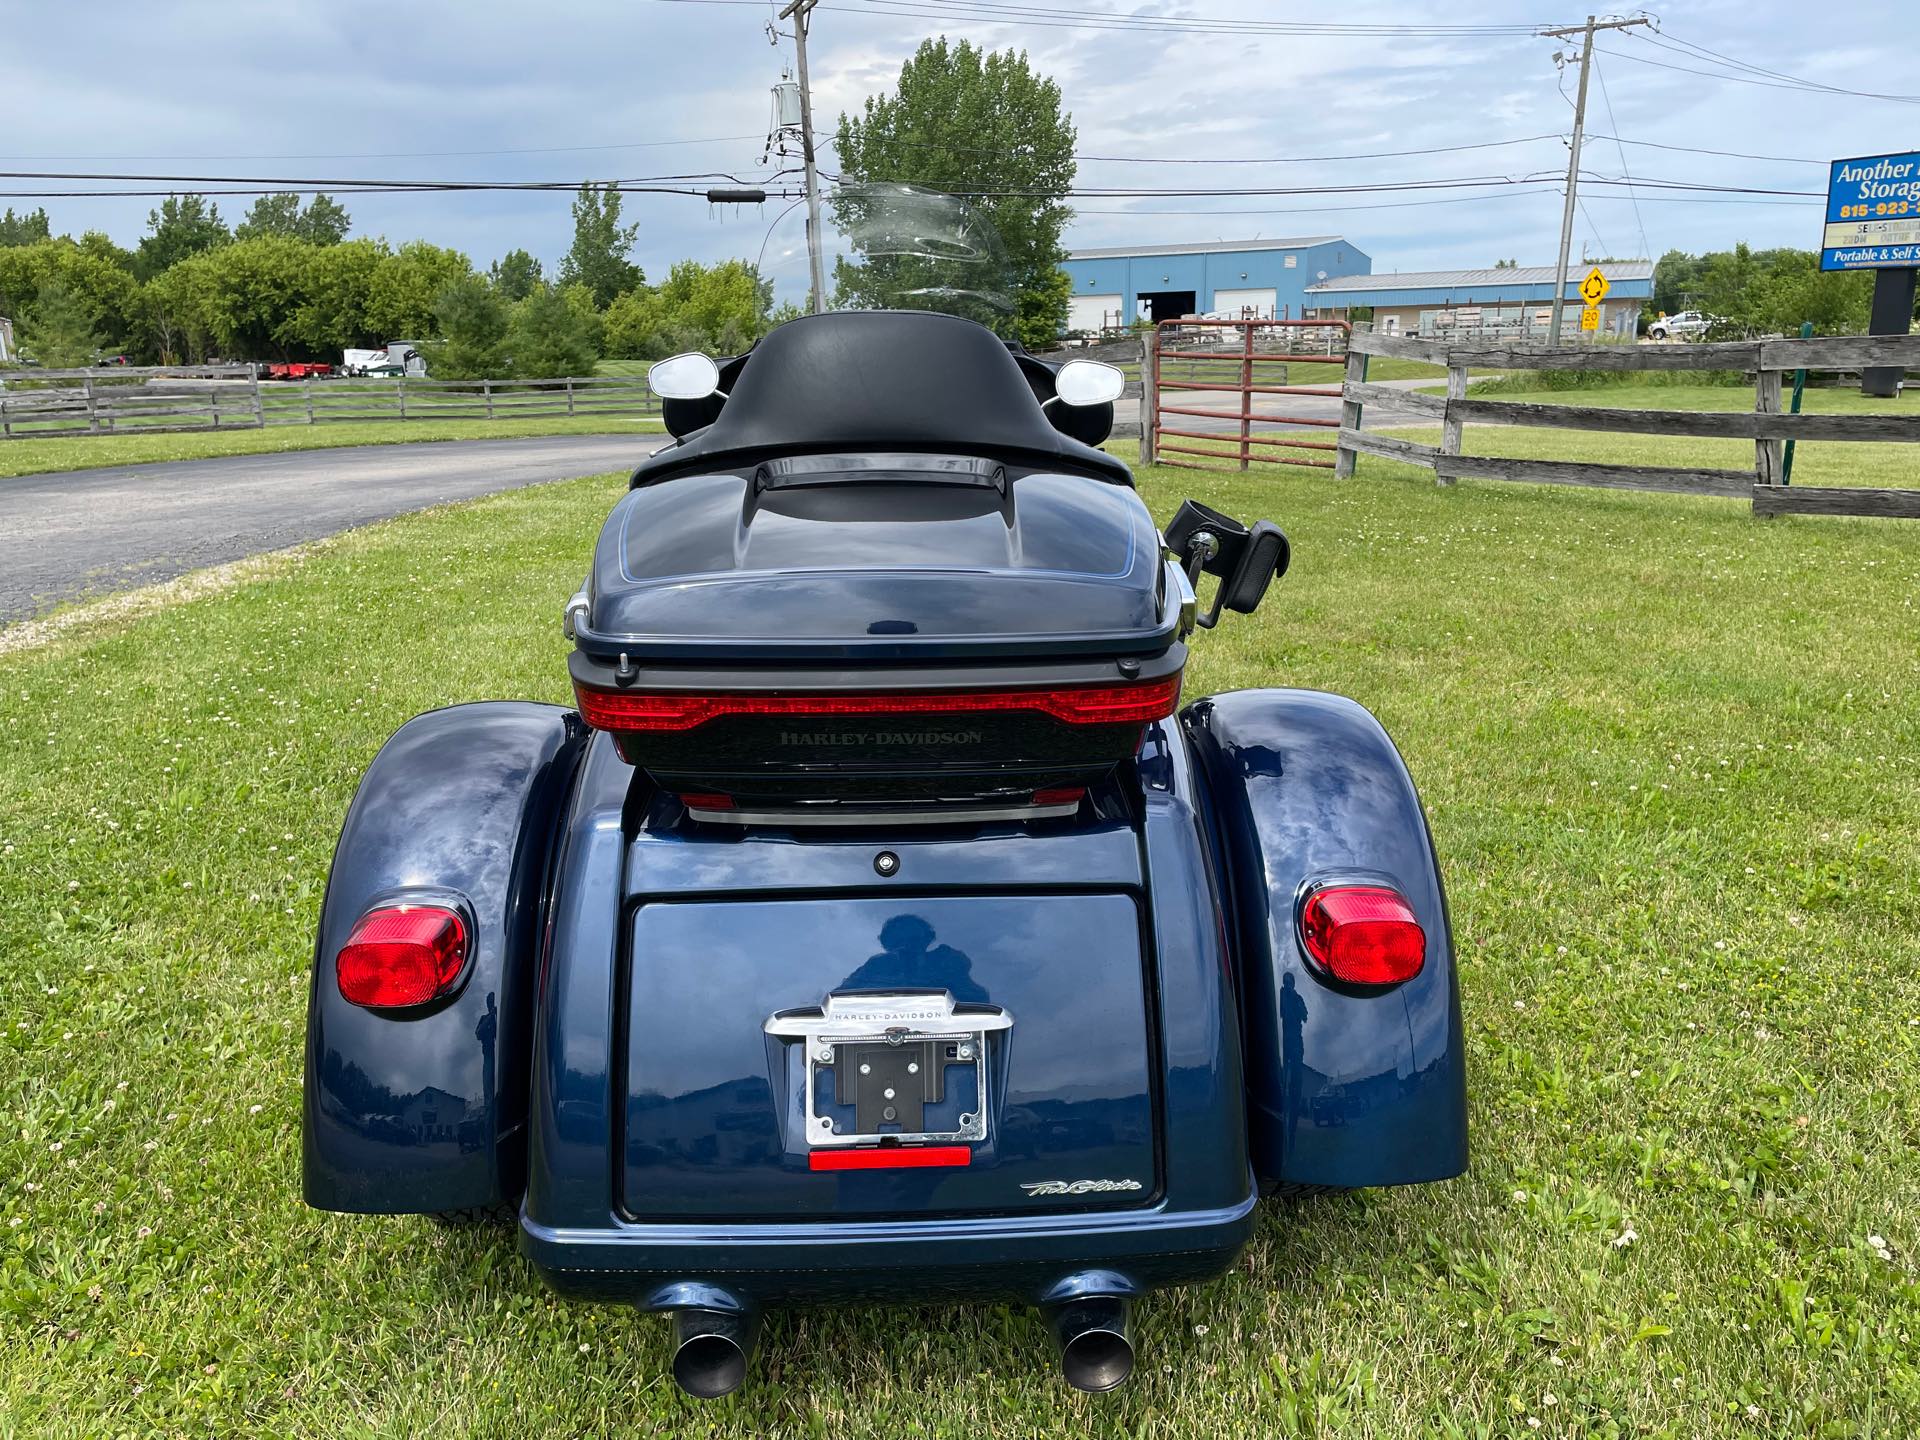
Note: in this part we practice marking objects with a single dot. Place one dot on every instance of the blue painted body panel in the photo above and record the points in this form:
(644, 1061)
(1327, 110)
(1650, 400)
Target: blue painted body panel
(665, 944)
(426, 1112)
(1343, 1089)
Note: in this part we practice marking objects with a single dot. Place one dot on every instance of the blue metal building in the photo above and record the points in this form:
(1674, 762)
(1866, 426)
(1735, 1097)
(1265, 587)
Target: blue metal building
(1514, 300)
(1266, 279)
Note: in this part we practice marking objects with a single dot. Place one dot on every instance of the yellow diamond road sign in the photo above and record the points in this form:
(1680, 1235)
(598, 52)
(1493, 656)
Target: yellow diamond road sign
(1594, 288)
(1590, 318)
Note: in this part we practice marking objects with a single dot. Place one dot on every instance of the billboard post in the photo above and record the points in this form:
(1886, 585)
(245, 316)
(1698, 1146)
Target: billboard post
(1873, 223)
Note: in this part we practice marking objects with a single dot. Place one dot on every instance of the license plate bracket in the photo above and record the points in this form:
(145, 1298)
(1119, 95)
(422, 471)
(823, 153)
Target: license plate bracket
(888, 1056)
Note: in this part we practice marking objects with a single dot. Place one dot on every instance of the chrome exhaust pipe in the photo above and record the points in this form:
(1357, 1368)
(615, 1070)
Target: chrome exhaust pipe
(711, 1349)
(1091, 1338)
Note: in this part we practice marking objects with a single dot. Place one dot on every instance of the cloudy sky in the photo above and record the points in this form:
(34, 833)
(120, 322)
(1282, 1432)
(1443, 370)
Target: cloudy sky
(482, 89)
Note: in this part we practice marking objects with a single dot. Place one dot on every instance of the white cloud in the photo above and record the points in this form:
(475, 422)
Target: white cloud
(195, 79)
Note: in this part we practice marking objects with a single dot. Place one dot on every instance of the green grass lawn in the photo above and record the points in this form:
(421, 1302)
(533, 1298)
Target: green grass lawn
(1672, 760)
(36, 457)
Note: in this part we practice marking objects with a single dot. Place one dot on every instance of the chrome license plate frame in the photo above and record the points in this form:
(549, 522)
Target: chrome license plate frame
(833, 1034)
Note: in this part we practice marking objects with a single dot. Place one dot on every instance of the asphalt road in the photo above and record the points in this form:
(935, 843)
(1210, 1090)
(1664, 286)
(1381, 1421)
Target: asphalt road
(79, 533)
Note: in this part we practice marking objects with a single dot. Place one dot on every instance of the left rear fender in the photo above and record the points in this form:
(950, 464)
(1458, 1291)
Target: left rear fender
(424, 1112)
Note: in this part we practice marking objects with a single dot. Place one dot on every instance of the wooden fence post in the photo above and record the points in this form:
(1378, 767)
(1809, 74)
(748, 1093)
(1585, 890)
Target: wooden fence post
(93, 407)
(569, 396)
(259, 411)
(1767, 457)
(1453, 424)
(401, 381)
(486, 391)
(1350, 411)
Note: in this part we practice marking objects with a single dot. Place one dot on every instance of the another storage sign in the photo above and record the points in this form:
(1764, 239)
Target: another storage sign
(1873, 214)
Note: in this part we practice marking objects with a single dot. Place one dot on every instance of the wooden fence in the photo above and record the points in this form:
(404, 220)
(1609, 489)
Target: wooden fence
(159, 400)
(1767, 425)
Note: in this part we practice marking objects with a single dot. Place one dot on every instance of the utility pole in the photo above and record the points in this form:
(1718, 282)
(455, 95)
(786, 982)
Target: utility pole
(1585, 31)
(799, 10)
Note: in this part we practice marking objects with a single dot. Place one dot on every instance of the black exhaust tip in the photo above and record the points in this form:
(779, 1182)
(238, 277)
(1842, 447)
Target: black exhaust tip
(711, 1349)
(1096, 1352)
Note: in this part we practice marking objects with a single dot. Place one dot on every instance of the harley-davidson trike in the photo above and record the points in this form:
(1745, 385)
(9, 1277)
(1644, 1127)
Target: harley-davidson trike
(880, 923)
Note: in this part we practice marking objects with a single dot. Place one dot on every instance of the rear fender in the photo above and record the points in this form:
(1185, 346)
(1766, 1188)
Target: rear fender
(425, 1111)
(1343, 1089)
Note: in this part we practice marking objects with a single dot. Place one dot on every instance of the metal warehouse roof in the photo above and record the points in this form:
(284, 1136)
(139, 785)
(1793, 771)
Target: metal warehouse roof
(1469, 279)
(1212, 247)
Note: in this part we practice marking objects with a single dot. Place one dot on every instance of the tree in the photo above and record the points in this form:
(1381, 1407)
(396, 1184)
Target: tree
(967, 121)
(324, 221)
(403, 288)
(1506, 264)
(59, 329)
(553, 334)
(515, 274)
(26, 229)
(473, 319)
(601, 244)
(721, 309)
(90, 273)
(183, 226)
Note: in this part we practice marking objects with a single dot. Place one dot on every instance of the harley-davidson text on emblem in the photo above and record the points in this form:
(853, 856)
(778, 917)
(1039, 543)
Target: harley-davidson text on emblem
(864, 738)
(1076, 1187)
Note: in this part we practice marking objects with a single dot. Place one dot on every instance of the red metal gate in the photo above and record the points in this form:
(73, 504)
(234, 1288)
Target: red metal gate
(1244, 344)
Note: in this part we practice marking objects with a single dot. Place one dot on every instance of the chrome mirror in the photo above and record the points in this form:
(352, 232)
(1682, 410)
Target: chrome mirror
(1088, 382)
(692, 376)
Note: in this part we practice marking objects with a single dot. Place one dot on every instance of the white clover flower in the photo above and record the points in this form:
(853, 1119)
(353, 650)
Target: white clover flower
(1520, 1197)
(1625, 1238)
(255, 1109)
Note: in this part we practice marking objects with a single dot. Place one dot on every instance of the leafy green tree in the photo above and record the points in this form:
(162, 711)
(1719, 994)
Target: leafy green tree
(973, 122)
(28, 229)
(183, 226)
(403, 288)
(324, 221)
(59, 330)
(333, 310)
(721, 309)
(90, 271)
(1036, 306)
(601, 245)
(553, 334)
(473, 319)
(515, 274)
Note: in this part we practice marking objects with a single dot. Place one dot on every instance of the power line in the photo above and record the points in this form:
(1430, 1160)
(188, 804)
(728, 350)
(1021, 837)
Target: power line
(1024, 14)
(985, 12)
(1675, 43)
(406, 154)
(1315, 159)
(1738, 78)
(1724, 154)
(1613, 124)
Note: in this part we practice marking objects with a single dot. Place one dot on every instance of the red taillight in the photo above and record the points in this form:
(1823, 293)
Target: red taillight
(1363, 934)
(1060, 795)
(702, 800)
(633, 710)
(893, 1157)
(402, 955)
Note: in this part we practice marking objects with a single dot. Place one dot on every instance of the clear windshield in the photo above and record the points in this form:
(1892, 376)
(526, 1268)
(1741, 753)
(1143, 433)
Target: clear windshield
(896, 247)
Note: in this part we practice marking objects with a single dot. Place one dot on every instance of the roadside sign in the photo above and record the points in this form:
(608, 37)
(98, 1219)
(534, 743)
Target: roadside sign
(1873, 214)
(1594, 288)
(1590, 318)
